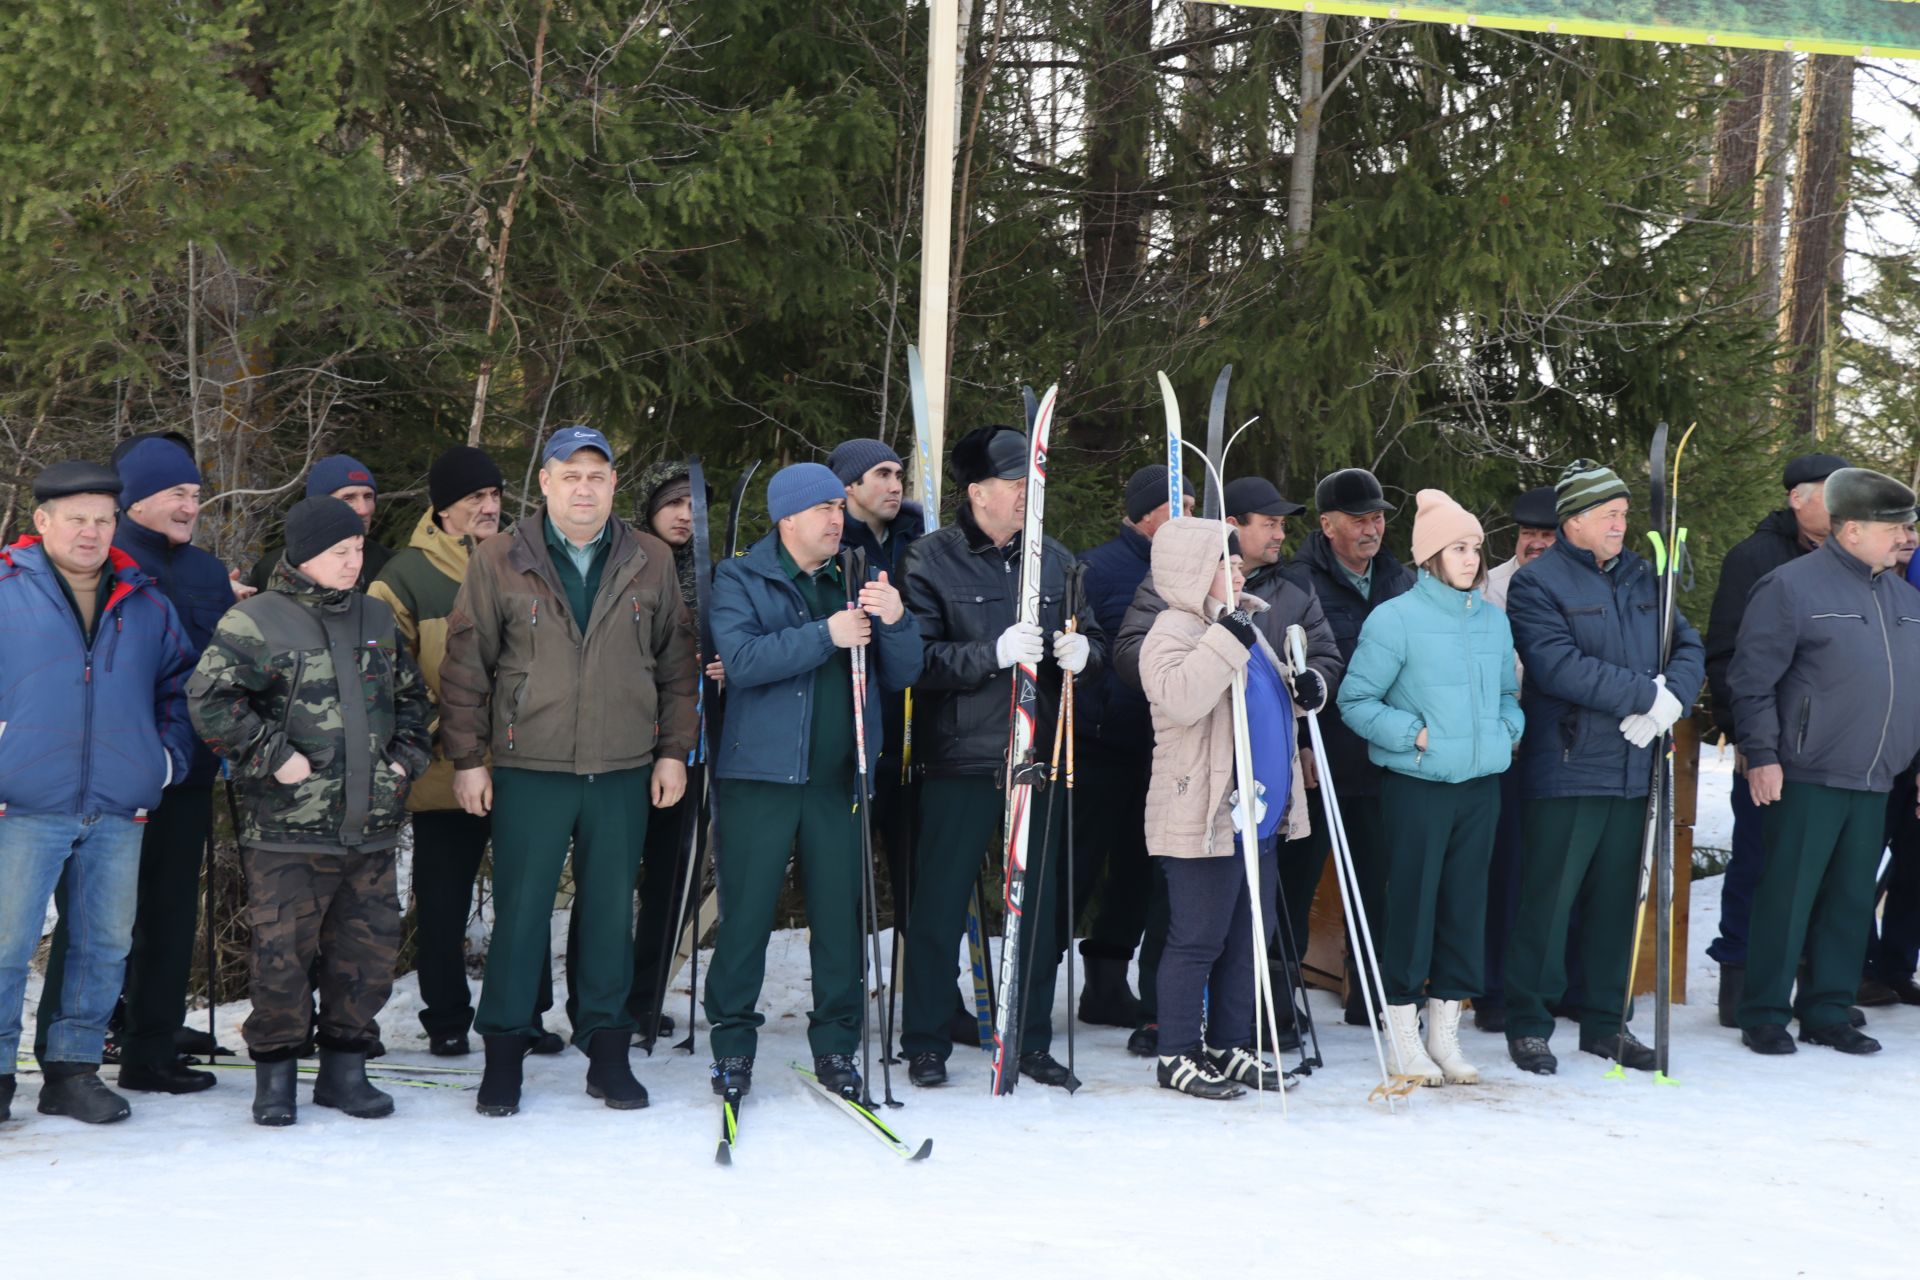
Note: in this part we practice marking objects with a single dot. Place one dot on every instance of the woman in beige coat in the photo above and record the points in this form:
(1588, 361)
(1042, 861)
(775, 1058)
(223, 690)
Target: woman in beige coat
(1187, 668)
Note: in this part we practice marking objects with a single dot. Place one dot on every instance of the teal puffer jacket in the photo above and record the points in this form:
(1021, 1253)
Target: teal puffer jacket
(1440, 660)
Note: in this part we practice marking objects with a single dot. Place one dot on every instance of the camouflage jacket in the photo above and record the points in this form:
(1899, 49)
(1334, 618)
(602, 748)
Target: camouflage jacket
(266, 687)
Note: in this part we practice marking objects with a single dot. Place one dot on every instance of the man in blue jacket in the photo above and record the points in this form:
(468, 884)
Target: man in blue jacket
(1826, 689)
(1114, 736)
(93, 679)
(786, 766)
(160, 505)
(1586, 623)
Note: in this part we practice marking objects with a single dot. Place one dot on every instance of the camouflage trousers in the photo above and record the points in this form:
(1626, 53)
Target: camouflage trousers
(341, 907)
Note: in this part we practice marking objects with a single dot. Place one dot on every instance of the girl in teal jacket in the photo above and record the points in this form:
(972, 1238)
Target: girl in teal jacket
(1432, 689)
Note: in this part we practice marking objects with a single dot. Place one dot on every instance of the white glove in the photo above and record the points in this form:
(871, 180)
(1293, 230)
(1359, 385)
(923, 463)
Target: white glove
(1021, 642)
(1070, 651)
(1640, 730)
(1666, 708)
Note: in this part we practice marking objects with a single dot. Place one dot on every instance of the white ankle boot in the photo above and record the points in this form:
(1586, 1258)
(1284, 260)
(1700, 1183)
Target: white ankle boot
(1403, 1020)
(1443, 1042)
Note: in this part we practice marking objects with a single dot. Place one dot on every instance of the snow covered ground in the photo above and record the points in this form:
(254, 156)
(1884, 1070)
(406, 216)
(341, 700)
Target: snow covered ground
(1750, 1167)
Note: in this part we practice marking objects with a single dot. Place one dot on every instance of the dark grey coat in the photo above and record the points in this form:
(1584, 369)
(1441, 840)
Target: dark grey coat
(1826, 673)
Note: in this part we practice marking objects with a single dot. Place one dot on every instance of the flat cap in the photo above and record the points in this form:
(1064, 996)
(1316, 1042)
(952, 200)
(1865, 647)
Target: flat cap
(76, 475)
(1811, 468)
(1534, 509)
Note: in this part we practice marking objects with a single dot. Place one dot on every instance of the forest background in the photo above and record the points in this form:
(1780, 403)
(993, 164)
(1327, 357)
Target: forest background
(1459, 257)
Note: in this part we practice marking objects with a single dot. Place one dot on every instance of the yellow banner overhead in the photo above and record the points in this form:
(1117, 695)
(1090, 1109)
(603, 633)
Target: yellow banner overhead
(1865, 28)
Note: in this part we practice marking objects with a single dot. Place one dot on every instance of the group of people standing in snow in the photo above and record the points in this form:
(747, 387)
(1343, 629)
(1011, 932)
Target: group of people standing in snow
(543, 690)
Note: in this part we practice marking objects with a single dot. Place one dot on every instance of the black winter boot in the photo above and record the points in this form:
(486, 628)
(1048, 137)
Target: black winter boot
(1842, 1037)
(75, 1089)
(1733, 984)
(194, 1041)
(1769, 1038)
(500, 1083)
(1623, 1048)
(1106, 1000)
(7, 1083)
(609, 1076)
(837, 1072)
(547, 1043)
(1041, 1066)
(1145, 1041)
(343, 1085)
(174, 1077)
(273, 1100)
(927, 1070)
(732, 1074)
(1530, 1053)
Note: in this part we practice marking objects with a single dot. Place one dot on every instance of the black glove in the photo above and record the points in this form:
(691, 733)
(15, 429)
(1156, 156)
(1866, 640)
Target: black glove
(1309, 690)
(1240, 627)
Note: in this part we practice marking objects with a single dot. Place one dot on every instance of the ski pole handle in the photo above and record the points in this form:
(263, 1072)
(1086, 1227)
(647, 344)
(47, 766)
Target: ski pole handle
(1297, 647)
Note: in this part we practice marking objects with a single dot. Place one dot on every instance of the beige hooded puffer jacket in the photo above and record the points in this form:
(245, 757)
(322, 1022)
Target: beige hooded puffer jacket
(1187, 666)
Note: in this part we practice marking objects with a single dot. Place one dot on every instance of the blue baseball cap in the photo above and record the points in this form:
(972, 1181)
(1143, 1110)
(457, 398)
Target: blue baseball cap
(568, 441)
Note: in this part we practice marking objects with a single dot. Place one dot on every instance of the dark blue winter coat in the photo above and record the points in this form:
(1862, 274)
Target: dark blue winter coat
(197, 585)
(906, 529)
(1315, 569)
(89, 731)
(1590, 639)
(901, 534)
(771, 647)
(1111, 709)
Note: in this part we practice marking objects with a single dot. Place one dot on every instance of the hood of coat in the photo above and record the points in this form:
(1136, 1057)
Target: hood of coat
(443, 551)
(1186, 556)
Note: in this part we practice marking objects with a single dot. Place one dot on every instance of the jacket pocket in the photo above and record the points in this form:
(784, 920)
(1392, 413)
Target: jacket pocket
(1805, 721)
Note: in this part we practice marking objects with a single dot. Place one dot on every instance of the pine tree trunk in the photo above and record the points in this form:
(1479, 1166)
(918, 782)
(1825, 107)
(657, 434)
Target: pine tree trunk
(1818, 239)
(1736, 144)
(1776, 134)
(1115, 201)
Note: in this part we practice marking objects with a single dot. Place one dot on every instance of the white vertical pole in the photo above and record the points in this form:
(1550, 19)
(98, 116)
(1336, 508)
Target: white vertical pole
(936, 215)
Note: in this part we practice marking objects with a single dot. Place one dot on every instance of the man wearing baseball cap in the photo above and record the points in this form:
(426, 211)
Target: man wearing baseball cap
(419, 584)
(567, 704)
(1783, 536)
(93, 679)
(338, 476)
(1346, 565)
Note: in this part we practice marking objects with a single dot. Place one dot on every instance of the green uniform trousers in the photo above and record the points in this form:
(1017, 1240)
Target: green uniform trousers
(761, 825)
(536, 817)
(960, 819)
(160, 957)
(1439, 842)
(1584, 850)
(1815, 895)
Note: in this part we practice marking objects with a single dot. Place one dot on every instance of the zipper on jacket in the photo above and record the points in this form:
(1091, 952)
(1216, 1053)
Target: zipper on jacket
(1473, 687)
(119, 624)
(1886, 721)
(1806, 714)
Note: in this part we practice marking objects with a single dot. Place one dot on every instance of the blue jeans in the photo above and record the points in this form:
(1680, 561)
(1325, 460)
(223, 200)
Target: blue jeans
(1748, 860)
(101, 858)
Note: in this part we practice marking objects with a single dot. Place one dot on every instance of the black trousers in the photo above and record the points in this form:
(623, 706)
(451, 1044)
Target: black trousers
(1110, 836)
(165, 923)
(448, 845)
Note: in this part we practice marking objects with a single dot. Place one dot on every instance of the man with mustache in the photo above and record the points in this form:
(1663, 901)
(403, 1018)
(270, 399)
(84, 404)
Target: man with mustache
(1346, 565)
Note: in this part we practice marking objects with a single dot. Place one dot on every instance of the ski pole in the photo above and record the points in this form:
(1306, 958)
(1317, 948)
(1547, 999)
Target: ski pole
(1045, 862)
(1358, 934)
(213, 977)
(1076, 575)
(853, 568)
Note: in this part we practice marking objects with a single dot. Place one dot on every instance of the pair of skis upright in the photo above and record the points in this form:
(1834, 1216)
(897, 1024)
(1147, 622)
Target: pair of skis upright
(1669, 539)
